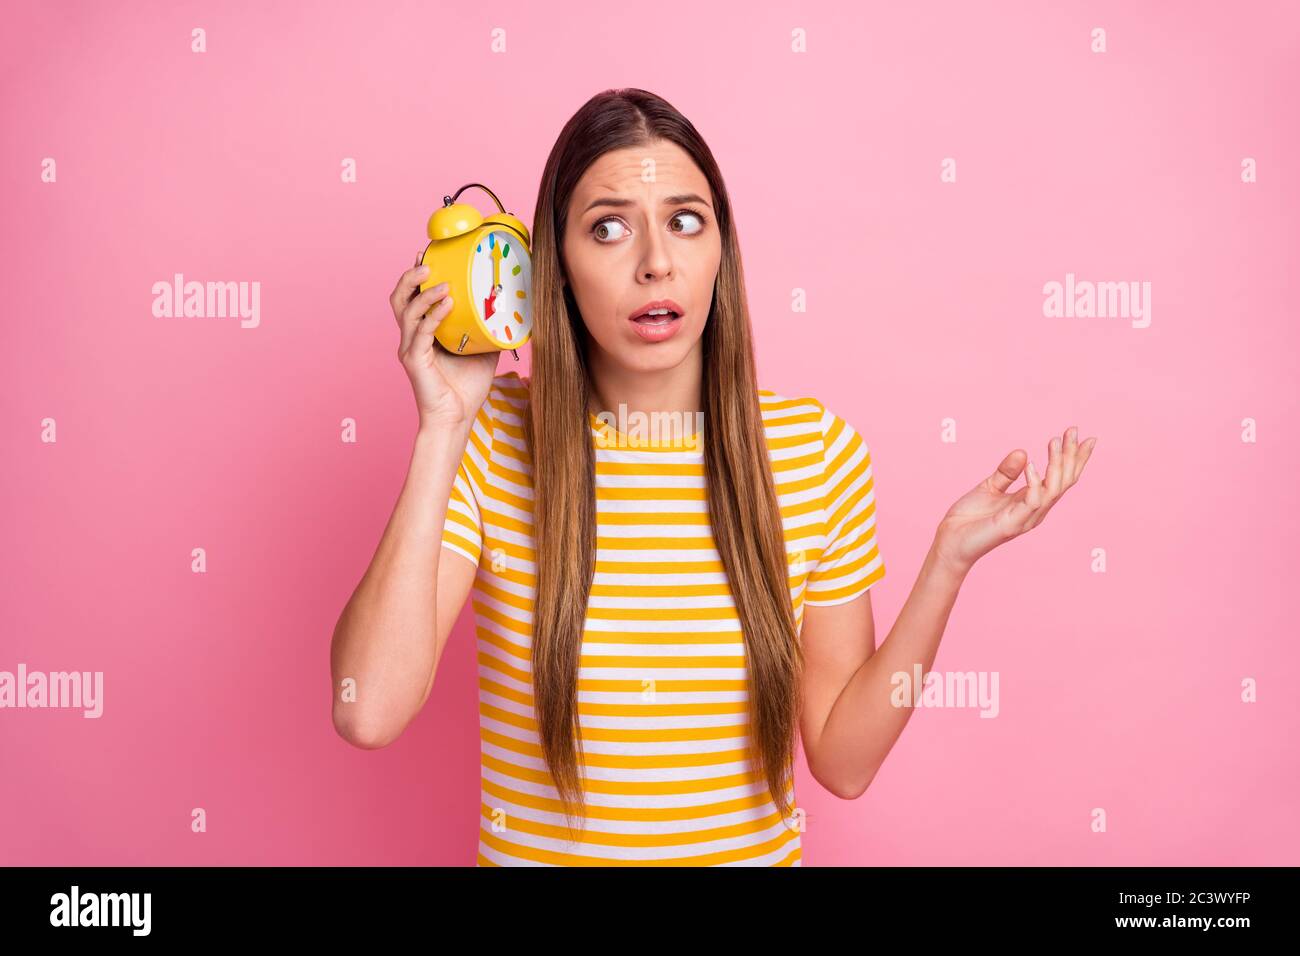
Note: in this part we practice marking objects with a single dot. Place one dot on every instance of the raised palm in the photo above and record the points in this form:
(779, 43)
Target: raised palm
(989, 515)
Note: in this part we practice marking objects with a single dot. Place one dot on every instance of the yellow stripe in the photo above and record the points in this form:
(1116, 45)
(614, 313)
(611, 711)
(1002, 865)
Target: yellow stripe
(636, 814)
(833, 593)
(708, 758)
(613, 735)
(577, 859)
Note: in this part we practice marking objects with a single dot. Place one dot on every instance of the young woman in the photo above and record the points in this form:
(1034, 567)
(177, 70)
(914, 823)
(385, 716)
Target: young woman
(657, 619)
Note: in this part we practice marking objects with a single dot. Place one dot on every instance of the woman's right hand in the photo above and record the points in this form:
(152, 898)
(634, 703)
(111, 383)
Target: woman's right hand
(449, 389)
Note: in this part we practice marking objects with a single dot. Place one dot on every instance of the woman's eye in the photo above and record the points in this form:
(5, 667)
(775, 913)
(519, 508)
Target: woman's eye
(688, 216)
(602, 230)
(608, 230)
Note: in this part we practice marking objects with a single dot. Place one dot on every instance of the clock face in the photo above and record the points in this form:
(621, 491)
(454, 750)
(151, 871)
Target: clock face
(501, 282)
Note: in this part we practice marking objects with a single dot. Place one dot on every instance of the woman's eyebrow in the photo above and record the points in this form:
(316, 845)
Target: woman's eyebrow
(668, 201)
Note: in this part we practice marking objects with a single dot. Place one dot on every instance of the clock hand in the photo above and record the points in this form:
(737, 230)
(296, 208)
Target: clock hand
(489, 305)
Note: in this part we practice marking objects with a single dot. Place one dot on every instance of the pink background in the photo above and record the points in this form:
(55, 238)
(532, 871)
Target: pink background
(1118, 690)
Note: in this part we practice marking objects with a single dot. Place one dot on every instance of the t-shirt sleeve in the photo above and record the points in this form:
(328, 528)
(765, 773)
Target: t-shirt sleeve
(850, 563)
(462, 532)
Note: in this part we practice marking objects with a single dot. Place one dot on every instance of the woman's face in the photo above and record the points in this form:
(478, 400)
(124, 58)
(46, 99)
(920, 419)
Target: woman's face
(641, 228)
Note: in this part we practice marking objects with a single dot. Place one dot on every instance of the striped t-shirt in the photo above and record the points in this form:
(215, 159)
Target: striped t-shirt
(667, 778)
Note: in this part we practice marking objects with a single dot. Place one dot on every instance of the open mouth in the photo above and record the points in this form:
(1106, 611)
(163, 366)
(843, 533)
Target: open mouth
(658, 317)
(657, 311)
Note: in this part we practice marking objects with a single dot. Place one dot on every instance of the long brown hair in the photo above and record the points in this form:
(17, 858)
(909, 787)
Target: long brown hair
(744, 512)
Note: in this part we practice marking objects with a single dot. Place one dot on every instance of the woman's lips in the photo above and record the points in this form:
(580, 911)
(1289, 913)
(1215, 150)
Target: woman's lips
(657, 328)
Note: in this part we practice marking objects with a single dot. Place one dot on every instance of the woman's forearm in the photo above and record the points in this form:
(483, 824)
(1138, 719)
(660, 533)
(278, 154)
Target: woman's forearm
(865, 722)
(386, 638)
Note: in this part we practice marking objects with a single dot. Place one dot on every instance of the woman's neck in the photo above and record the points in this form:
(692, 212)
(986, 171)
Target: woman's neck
(677, 390)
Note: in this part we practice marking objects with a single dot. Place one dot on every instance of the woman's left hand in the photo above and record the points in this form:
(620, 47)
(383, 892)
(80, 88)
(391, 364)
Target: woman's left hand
(986, 516)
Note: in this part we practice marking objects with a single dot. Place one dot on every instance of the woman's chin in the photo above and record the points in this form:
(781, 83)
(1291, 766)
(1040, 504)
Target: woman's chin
(632, 352)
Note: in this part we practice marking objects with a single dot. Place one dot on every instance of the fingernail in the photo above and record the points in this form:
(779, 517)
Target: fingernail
(1056, 443)
(1074, 433)
(422, 270)
(1033, 472)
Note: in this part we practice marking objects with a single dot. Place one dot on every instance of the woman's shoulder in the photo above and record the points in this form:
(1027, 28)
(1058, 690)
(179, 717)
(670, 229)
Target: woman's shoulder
(810, 418)
(793, 415)
(507, 396)
(825, 444)
(510, 385)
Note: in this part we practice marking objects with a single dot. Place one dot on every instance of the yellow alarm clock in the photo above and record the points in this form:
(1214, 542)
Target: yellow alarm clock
(488, 270)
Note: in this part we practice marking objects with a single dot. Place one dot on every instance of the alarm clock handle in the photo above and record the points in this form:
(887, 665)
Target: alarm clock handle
(448, 200)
